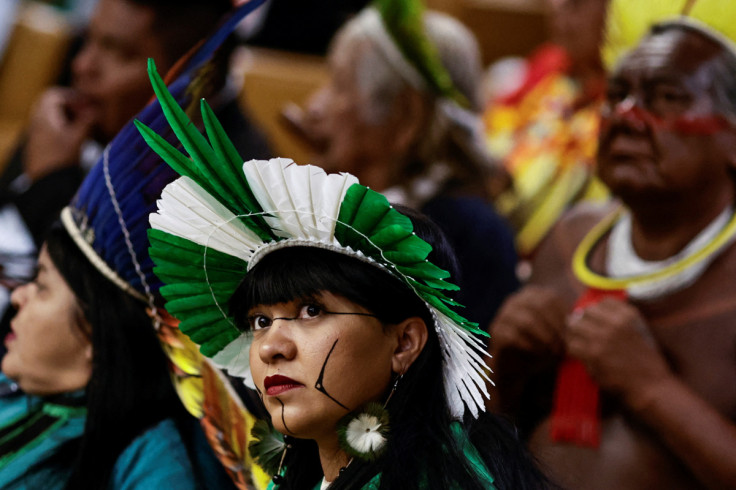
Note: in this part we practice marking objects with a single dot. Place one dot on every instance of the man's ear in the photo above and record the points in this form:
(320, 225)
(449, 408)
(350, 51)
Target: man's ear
(412, 336)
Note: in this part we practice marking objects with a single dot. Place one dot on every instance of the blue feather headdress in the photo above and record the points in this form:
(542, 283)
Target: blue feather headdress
(108, 218)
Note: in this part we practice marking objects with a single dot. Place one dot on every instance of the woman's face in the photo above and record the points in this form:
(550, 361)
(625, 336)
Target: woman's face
(47, 350)
(314, 369)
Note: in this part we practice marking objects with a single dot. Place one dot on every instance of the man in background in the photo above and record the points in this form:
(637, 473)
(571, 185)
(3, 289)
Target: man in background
(617, 359)
(109, 85)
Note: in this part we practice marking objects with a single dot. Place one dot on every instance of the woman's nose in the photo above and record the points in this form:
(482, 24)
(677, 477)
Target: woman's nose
(84, 64)
(277, 342)
(17, 297)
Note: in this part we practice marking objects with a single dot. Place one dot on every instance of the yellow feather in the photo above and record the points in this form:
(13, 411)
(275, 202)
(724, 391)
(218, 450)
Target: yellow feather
(208, 396)
(629, 20)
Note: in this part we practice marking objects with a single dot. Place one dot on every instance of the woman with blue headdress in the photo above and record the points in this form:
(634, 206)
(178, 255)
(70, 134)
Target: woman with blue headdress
(86, 396)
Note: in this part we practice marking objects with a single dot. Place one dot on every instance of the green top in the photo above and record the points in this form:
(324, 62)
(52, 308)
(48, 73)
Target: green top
(471, 453)
(33, 429)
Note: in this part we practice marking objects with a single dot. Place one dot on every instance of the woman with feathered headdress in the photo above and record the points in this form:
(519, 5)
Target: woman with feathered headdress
(336, 308)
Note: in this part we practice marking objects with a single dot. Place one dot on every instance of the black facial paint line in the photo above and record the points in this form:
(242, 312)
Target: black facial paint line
(319, 385)
(283, 421)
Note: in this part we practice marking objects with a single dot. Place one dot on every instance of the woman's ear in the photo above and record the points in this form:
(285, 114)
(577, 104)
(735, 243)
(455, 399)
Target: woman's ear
(412, 336)
(408, 121)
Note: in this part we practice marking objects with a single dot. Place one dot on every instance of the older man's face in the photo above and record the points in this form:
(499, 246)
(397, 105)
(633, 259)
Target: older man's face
(661, 135)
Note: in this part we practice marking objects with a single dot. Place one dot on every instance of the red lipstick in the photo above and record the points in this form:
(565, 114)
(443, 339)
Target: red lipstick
(277, 384)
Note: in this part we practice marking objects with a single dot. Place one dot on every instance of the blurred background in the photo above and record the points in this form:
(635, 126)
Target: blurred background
(280, 59)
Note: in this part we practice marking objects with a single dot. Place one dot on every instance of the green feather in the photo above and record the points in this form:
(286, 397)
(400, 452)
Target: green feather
(349, 208)
(405, 24)
(206, 167)
(195, 144)
(168, 153)
(391, 241)
(193, 141)
(266, 446)
(232, 170)
(205, 328)
(390, 236)
(180, 264)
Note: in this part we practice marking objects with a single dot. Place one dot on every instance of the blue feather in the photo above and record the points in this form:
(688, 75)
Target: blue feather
(137, 174)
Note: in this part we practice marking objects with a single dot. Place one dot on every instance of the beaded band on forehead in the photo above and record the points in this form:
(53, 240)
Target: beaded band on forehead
(270, 247)
(67, 219)
(80, 239)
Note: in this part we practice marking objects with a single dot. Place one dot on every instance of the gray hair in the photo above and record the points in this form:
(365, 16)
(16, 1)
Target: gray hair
(722, 67)
(453, 133)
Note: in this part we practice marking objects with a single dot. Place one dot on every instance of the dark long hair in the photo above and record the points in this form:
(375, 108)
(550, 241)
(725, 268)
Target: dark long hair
(422, 451)
(130, 389)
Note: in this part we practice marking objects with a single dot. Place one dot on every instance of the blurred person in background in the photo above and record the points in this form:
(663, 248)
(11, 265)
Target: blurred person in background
(109, 85)
(400, 112)
(542, 121)
(87, 399)
(617, 359)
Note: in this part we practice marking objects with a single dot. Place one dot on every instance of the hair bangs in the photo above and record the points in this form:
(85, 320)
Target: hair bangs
(304, 272)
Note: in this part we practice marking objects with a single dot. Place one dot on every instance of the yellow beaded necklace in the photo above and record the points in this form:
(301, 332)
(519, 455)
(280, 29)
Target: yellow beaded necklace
(594, 280)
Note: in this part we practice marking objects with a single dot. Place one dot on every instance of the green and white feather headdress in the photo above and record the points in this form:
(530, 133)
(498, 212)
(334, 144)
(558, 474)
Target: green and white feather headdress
(222, 216)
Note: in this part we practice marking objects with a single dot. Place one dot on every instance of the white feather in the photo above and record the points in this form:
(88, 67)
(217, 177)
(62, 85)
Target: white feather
(464, 368)
(188, 211)
(300, 211)
(235, 359)
(362, 433)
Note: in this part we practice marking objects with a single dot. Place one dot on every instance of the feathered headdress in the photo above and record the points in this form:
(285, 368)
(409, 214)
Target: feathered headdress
(222, 216)
(628, 21)
(108, 217)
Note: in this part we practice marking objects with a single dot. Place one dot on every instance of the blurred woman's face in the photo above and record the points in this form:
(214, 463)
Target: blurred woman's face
(48, 352)
(315, 360)
(337, 125)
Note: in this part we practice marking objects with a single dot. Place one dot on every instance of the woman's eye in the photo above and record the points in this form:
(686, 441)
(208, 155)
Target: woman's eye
(310, 311)
(258, 322)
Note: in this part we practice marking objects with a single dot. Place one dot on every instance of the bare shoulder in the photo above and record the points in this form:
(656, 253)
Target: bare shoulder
(576, 222)
(554, 255)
